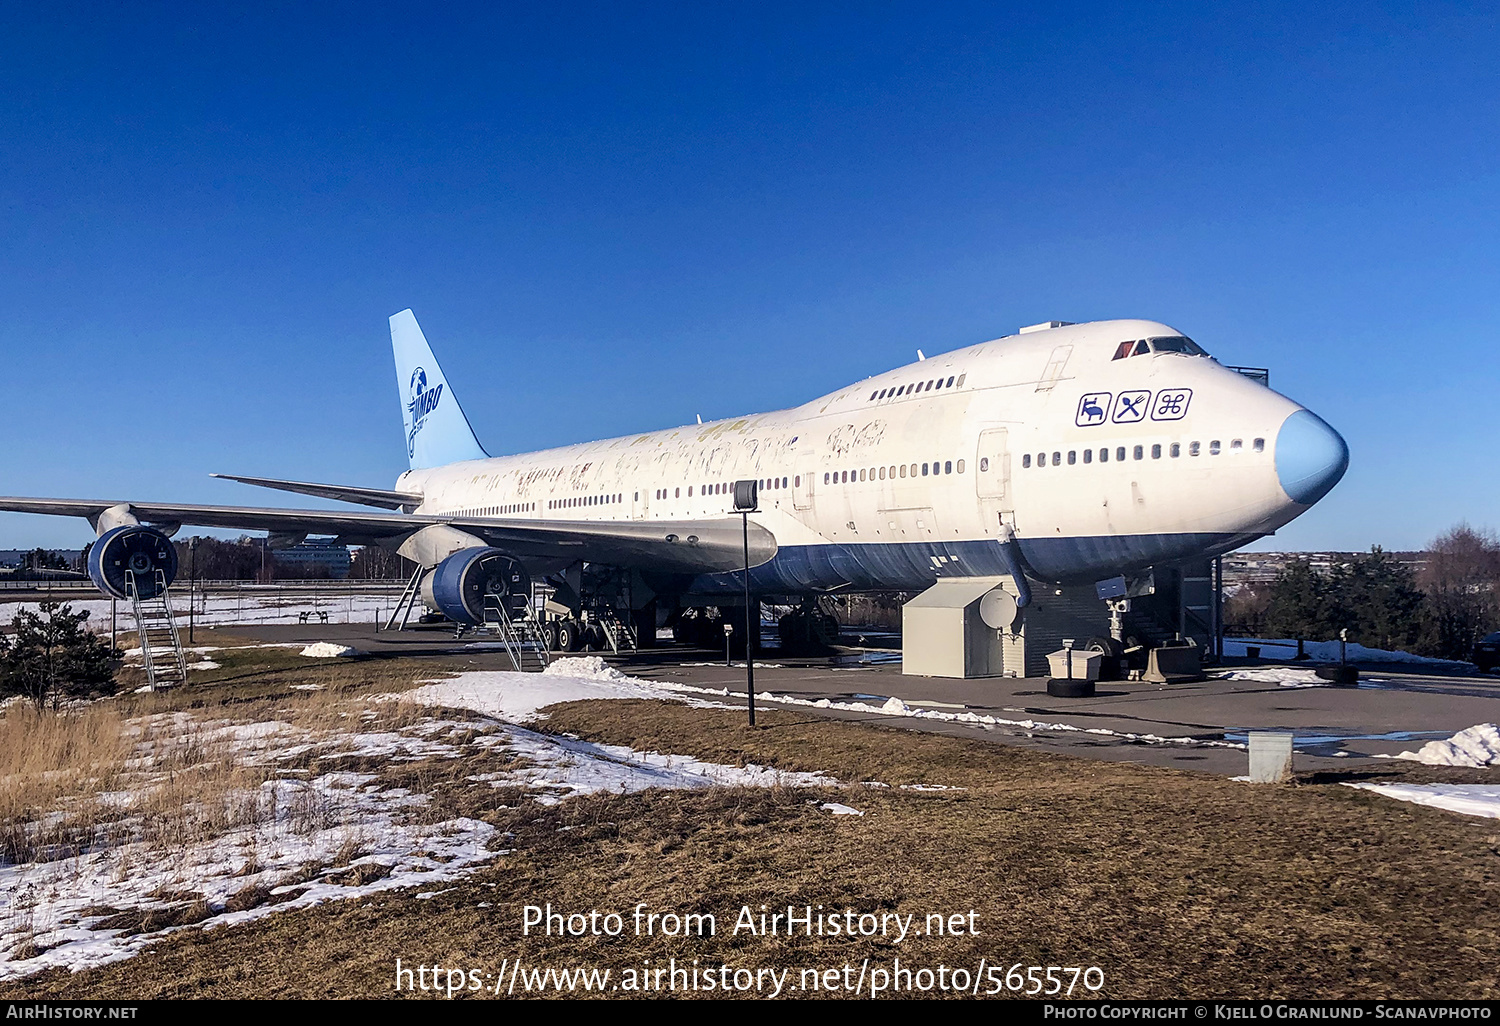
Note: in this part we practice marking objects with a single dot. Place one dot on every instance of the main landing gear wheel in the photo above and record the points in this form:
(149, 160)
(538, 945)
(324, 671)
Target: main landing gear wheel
(1059, 687)
(1111, 666)
(568, 637)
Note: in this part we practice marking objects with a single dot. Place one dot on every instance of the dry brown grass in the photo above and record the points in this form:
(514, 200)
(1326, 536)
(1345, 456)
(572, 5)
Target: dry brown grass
(189, 778)
(1175, 884)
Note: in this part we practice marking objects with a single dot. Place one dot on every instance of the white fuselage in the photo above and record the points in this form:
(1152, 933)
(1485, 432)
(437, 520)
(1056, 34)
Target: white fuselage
(1097, 464)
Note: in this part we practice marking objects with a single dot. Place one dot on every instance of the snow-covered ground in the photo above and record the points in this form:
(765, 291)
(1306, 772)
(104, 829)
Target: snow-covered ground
(251, 606)
(517, 696)
(306, 836)
(1328, 652)
(1469, 799)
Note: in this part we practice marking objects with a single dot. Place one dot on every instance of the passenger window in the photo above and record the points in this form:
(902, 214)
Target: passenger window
(1237, 444)
(1140, 452)
(984, 463)
(873, 395)
(913, 470)
(1072, 457)
(861, 475)
(798, 481)
(1057, 459)
(1156, 452)
(903, 470)
(1041, 459)
(1088, 455)
(961, 378)
(1213, 447)
(960, 466)
(1193, 448)
(1103, 455)
(950, 381)
(677, 493)
(1120, 453)
(1260, 445)
(924, 470)
(1176, 450)
(947, 466)
(882, 473)
(825, 481)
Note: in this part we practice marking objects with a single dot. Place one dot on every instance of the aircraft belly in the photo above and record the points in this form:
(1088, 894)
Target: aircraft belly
(915, 566)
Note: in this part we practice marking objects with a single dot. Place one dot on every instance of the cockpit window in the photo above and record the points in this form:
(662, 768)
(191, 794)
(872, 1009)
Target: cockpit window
(1123, 350)
(1176, 344)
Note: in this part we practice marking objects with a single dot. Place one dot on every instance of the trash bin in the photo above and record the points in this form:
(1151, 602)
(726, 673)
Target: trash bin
(1084, 665)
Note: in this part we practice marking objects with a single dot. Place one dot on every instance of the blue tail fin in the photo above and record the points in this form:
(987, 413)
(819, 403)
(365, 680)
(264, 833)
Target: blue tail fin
(437, 432)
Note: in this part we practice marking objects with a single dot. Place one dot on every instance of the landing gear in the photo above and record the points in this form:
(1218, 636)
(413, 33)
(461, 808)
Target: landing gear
(569, 636)
(1112, 653)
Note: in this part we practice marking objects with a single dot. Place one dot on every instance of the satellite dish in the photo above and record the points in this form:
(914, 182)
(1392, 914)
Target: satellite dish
(998, 609)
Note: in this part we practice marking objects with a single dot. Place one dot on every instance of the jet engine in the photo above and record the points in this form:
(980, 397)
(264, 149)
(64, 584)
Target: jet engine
(463, 584)
(132, 554)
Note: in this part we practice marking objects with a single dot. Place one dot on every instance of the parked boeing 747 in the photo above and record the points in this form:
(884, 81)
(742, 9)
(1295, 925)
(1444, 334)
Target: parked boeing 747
(1067, 453)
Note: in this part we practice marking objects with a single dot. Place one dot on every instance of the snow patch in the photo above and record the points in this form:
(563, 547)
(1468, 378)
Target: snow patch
(1328, 652)
(1283, 675)
(839, 810)
(1468, 799)
(516, 697)
(329, 650)
(1473, 747)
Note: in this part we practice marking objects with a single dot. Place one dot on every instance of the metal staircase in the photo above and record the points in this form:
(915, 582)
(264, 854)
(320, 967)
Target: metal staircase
(616, 632)
(161, 646)
(524, 640)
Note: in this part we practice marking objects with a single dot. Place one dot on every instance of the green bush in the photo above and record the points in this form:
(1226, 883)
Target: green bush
(49, 656)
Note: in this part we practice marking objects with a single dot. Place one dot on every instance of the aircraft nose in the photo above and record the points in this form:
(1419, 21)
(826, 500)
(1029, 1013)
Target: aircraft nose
(1311, 457)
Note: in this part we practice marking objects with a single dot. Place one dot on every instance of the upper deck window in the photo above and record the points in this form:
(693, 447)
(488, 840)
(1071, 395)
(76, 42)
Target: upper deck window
(1176, 344)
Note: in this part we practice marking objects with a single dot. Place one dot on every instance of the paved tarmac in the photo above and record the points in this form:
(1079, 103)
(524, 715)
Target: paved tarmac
(1197, 726)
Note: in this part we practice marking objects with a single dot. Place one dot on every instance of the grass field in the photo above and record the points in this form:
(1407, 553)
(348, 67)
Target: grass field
(1172, 884)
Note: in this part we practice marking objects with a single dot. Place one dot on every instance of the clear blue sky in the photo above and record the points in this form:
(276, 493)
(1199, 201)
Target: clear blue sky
(612, 218)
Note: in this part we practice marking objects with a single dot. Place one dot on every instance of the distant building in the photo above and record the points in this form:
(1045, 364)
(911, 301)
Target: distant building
(311, 557)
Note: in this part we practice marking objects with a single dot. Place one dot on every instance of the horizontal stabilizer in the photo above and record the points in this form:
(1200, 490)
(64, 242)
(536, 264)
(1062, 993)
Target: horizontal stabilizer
(382, 497)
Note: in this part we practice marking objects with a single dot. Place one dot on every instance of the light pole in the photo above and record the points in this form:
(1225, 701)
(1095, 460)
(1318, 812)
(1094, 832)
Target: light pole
(192, 585)
(745, 495)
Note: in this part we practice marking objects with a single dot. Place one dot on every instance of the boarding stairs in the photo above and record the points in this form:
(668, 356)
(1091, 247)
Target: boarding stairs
(616, 632)
(524, 640)
(161, 645)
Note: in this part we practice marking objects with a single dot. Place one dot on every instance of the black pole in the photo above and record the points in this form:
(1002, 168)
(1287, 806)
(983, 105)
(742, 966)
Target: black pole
(749, 637)
(192, 584)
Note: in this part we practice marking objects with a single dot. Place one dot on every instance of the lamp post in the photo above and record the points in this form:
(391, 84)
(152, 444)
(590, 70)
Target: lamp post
(745, 495)
(192, 585)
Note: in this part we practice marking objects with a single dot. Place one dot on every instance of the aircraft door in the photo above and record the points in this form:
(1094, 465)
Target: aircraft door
(802, 488)
(640, 504)
(992, 478)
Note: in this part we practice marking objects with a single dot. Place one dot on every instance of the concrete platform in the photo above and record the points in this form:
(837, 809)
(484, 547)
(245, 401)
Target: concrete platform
(1335, 727)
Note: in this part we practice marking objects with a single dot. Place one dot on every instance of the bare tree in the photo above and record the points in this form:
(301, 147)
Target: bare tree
(1462, 582)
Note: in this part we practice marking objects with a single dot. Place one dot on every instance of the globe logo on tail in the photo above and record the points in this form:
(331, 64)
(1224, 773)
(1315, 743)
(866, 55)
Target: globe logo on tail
(422, 401)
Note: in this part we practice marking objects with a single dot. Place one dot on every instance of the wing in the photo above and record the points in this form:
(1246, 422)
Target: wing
(381, 497)
(674, 546)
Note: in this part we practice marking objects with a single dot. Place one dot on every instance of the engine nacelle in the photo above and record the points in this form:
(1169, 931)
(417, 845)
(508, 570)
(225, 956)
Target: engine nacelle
(136, 552)
(461, 585)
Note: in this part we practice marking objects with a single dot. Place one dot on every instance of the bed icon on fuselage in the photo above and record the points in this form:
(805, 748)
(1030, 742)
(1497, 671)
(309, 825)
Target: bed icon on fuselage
(1093, 409)
(1131, 407)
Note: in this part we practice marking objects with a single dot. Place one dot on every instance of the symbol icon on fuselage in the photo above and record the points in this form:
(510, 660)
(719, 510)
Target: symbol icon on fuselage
(1172, 403)
(1131, 407)
(1092, 409)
